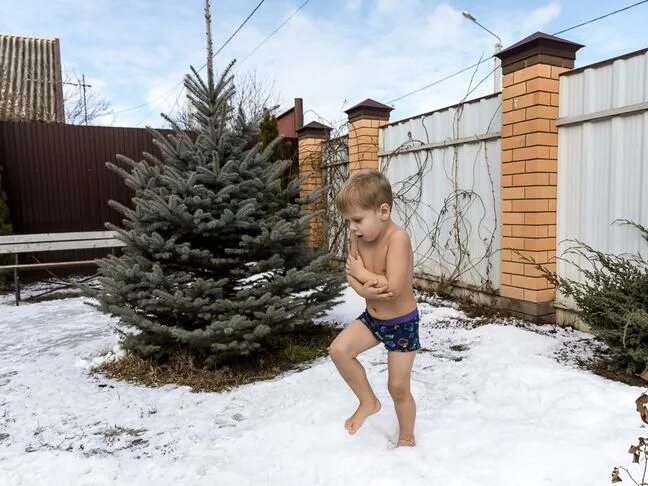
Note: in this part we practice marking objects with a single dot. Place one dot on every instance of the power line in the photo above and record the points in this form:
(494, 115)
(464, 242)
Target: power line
(491, 57)
(166, 94)
(136, 107)
(602, 17)
(440, 80)
(277, 30)
(157, 105)
(237, 30)
(204, 65)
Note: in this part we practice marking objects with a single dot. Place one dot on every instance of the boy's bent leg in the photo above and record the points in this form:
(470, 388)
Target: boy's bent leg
(399, 365)
(353, 340)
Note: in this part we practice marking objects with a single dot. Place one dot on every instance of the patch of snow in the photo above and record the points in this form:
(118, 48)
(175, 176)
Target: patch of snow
(495, 407)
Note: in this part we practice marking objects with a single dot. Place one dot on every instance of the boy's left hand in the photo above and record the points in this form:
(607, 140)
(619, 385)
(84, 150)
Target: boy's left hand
(354, 266)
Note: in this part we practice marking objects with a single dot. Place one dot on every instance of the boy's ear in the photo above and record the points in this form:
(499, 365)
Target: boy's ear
(385, 211)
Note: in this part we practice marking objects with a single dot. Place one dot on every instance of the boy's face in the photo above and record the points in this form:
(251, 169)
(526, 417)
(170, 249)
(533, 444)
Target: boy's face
(367, 224)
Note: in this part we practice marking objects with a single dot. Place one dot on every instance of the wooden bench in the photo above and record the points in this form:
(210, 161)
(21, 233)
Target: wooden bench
(17, 244)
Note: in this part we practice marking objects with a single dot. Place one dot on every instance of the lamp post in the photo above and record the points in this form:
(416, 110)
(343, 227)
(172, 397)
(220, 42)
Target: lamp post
(498, 47)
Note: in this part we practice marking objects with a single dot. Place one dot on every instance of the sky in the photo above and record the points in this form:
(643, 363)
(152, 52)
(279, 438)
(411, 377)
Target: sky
(331, 53)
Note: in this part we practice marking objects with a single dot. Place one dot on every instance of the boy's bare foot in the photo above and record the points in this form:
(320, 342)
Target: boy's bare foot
(406, 442)
(355, 421)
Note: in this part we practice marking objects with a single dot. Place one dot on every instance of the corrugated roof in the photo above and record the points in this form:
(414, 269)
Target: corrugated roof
(30, 79)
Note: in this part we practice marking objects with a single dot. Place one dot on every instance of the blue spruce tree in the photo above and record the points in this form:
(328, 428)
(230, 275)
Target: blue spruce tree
(215, 261)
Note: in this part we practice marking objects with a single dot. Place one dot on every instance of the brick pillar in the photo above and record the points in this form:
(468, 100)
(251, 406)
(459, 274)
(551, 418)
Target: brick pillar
(310, 138)
(529, 170)
(364, 121)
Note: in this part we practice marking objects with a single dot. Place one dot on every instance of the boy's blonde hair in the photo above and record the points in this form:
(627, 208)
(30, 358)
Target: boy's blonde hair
(368, 189)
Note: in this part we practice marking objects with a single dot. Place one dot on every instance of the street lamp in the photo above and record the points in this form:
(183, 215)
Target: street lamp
(498, 47)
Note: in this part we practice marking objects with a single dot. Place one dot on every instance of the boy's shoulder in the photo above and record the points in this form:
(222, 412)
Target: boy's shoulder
(399, 237)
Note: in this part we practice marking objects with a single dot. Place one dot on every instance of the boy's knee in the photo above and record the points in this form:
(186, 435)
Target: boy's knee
(338, 352)
(398, 390)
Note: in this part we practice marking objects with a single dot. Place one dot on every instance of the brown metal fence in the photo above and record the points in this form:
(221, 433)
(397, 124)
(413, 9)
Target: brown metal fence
(56, 179)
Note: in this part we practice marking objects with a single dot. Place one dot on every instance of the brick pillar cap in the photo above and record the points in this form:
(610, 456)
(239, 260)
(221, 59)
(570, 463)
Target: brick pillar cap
(538, 48)
(370, 109)
(314, 130)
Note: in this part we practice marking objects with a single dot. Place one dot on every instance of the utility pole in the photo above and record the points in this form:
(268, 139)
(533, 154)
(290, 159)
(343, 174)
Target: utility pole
(497, 70)
(83, 86)
(210, 48)
(85, 102)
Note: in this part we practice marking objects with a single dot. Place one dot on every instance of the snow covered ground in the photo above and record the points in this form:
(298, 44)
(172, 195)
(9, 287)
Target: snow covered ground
(495, 408)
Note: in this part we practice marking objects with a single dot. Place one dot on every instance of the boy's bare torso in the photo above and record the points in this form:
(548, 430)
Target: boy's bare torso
(374, 255)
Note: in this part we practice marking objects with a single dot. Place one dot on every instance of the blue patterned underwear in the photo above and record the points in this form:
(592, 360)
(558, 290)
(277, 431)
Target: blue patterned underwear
(398, 334)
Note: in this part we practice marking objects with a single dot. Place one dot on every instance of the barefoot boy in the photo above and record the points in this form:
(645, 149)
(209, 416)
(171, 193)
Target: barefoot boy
(380, 269)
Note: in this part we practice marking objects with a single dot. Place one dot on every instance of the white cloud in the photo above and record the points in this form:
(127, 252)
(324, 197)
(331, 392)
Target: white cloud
(165, 96)
(540, 17)
(353, 5)
(330, 65)
(333, 64)
(333, 54)
(389, 5)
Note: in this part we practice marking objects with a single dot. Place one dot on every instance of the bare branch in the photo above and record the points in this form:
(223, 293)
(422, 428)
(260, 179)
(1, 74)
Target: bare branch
(253, 95)
(95, 104)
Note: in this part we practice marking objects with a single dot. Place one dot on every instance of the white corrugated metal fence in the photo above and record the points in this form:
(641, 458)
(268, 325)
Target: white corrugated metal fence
(445, 172)
(602, 158)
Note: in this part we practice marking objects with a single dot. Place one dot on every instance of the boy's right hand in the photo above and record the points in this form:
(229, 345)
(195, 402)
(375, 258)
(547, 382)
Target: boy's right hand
(371, 291)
